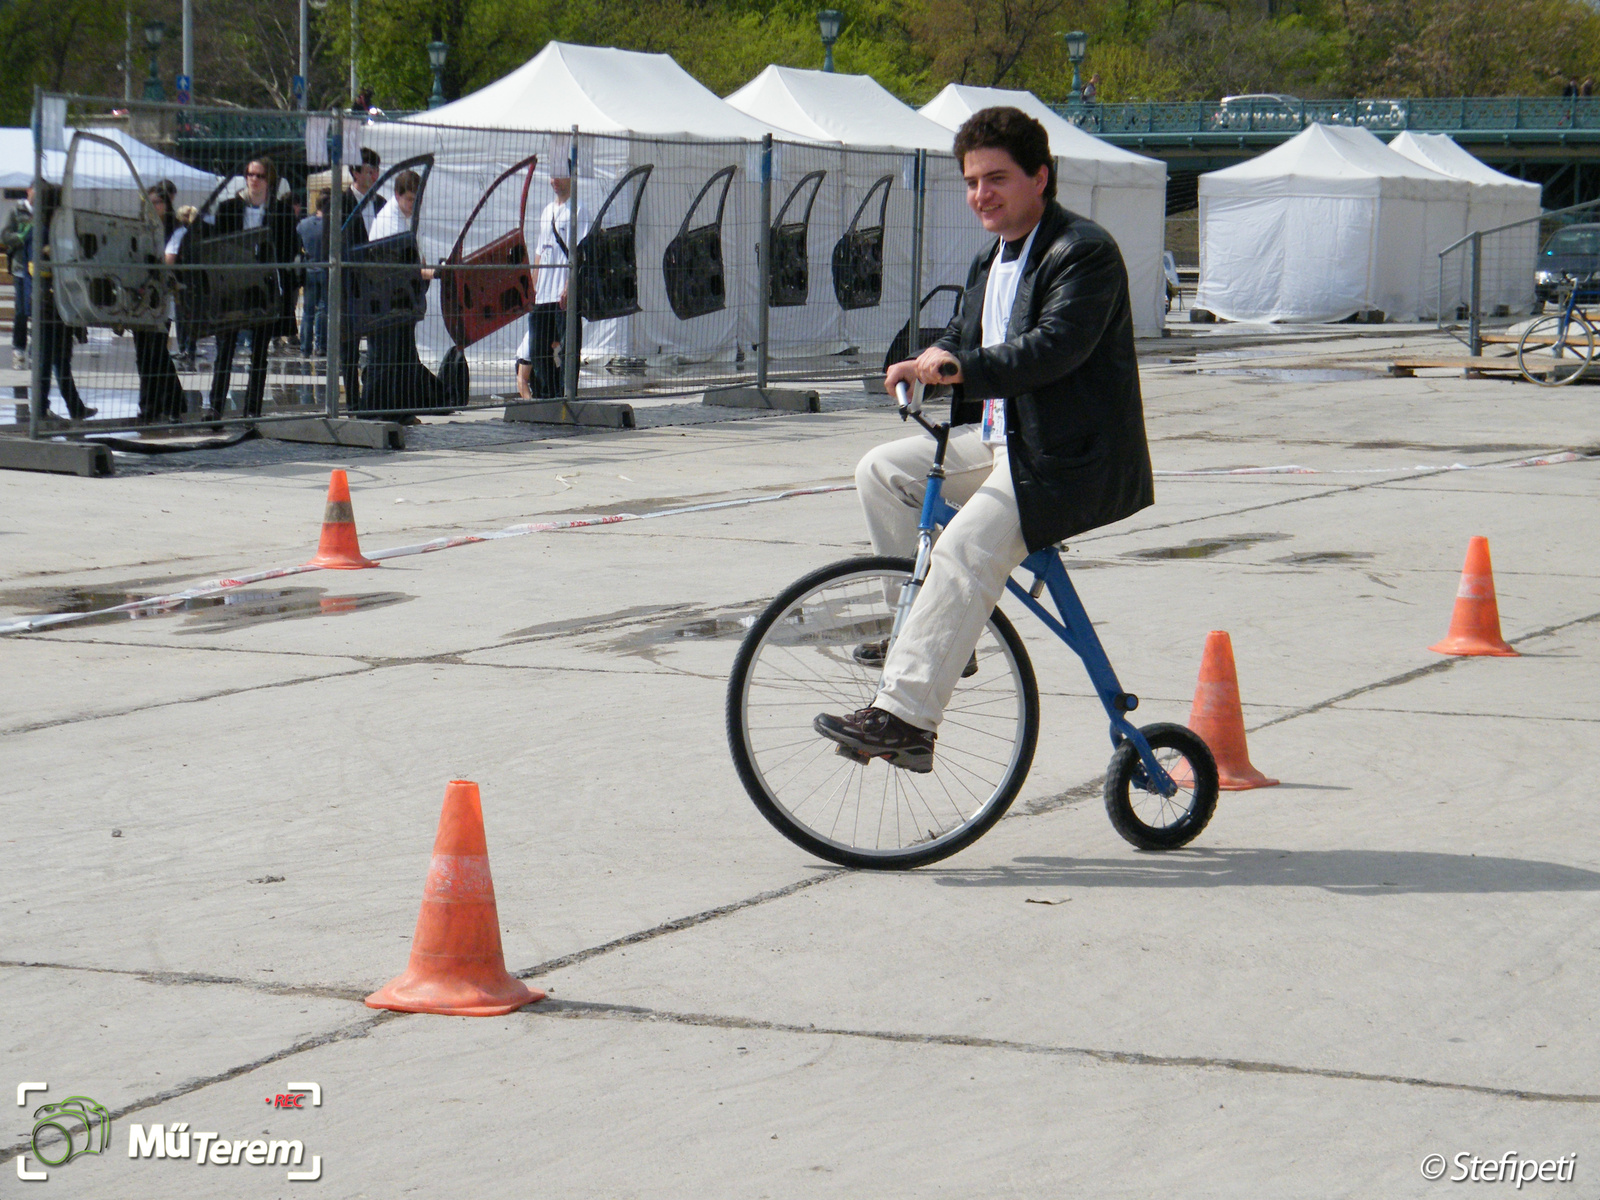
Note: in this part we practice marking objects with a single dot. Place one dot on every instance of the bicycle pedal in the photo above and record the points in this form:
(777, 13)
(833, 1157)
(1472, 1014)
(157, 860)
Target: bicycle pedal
(854, 756)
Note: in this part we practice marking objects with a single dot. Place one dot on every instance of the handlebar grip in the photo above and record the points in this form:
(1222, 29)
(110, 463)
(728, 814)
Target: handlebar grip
(948, 368)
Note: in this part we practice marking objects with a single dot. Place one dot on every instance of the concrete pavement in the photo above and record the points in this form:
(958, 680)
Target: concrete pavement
(216, 824)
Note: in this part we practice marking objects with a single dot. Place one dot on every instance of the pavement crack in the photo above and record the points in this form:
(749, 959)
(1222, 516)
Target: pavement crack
(187, 978)
(590, 1010)
(1418, 673)
(677, 924)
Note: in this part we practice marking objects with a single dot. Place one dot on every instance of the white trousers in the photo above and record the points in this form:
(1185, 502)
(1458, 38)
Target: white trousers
(972, 560)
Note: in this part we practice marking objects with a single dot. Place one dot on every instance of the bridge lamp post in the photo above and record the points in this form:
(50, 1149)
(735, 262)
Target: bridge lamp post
(154, 31)
(436, 56)
(828, 22)
(1077, 46)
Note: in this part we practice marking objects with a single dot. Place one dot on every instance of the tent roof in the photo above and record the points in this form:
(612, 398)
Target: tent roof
(824, 106)
(1441, 153)
(16, 152)
(1332, 160)
(600, 90)
(958, 102)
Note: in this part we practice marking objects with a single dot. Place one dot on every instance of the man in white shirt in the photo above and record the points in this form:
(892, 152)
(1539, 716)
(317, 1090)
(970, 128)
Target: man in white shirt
(363, 178)
(537, 374)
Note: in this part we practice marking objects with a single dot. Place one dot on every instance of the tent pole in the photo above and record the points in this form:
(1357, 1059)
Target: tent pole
(764, 264)
(333, 250)
(1474, 333)
(918, 215)
(569, 343)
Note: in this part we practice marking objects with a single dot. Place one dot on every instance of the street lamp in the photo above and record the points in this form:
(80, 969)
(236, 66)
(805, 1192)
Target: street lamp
(828, 21)
(436, 54)
(154, 31)
(1077, 44)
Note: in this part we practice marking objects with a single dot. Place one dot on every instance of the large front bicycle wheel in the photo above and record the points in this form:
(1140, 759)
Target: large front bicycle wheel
(798, 661)
(1557, 349)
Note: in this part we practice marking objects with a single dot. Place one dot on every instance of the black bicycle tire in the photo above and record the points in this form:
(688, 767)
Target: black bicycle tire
(892, 860)
(1125, 761)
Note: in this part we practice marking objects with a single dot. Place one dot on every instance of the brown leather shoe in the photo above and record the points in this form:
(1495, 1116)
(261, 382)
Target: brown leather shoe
(872, 654)
(875, 733)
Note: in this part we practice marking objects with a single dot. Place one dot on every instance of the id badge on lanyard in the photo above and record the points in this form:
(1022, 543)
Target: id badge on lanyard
(994, 421)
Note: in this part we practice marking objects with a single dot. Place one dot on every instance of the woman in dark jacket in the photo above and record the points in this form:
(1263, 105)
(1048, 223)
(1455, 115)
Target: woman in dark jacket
(257, 206)
(160, 389)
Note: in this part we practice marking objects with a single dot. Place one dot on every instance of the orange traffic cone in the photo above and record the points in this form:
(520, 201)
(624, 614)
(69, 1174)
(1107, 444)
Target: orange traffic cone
(339, 548)
(1218, 719)
(1475, 623)
(457, 966)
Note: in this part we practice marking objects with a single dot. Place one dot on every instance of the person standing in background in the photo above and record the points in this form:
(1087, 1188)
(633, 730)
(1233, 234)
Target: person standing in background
(257, 206)
(363, 178)
(537, 372)
(186, 216)
(160, 390)
(13, 237)
(55, 336)
(1091, 90)
(314, 313)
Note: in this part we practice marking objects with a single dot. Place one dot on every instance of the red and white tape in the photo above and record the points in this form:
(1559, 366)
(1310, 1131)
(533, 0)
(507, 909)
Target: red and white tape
(156, 604)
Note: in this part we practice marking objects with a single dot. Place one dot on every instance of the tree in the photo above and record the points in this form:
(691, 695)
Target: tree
(981, 42)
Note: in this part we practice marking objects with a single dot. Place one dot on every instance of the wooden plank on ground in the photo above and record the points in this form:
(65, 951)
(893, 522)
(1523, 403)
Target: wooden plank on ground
(1469, 366)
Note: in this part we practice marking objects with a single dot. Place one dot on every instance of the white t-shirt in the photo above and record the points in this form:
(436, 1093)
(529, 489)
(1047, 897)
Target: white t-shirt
(388, 222)
(254, 216)
(176, 240)
(551, 278)
(999, 294)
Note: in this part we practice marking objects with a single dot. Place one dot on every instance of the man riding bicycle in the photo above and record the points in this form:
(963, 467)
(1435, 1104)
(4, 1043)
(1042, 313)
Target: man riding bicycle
(1052, 441)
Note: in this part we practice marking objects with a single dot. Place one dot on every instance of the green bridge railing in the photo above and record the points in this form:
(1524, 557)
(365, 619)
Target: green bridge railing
(1261, 115)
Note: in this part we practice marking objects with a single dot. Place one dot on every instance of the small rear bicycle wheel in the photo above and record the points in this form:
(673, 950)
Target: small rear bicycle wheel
(1556, 350)
(798, 661)
(1142, 815)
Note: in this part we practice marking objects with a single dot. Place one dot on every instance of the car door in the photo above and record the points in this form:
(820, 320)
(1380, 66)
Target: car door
(492, 285)
(107, 244)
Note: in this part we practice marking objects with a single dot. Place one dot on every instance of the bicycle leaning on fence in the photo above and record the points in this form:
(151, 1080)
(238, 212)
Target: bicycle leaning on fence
(1560, 347)
(799, 658)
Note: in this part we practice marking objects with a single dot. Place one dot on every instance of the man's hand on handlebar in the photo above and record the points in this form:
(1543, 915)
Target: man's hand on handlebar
(933, 366)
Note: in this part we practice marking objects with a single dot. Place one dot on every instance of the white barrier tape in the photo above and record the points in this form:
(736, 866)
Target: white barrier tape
(1541, 460)
(214, 587)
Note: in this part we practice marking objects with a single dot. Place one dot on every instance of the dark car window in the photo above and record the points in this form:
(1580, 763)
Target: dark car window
(1575, 241)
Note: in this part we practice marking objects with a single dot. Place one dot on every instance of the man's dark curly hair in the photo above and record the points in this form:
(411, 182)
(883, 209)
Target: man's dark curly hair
(1015, 132)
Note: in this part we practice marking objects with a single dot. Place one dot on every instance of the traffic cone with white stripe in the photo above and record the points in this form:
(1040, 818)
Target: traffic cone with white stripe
(457, 966)
(339, 548)
(1475, 621)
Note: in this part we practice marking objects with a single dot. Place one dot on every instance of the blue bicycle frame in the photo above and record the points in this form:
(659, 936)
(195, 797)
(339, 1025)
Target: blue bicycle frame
(1073, 625)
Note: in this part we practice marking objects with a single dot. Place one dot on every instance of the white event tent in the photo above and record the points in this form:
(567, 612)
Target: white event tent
(880, 132)
(1509, 257)
(100, 169)
(1123, 191)
(1327, 224)
(632, 110)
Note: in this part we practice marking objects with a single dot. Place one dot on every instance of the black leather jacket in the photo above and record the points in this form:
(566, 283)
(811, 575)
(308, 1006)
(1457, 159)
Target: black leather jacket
(1074, 417)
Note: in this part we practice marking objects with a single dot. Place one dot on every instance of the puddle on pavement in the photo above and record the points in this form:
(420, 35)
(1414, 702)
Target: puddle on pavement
(209, 614)
(654, 636)
(1206, 547)
(1295, 374)
(1317, 558)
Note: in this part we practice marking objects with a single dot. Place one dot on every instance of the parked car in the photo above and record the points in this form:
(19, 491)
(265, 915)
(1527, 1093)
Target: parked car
(1258, 110)
(1571, 253)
